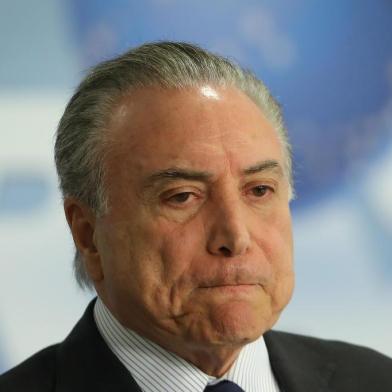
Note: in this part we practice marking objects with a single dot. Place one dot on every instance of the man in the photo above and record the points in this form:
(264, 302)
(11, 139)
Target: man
(175, 168)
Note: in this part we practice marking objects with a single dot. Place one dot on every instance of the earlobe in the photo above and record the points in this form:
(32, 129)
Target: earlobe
(81, 221)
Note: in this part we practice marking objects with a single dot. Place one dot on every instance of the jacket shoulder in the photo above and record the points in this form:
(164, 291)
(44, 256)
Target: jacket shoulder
(36, 373)
(335, 348)
(354, 364)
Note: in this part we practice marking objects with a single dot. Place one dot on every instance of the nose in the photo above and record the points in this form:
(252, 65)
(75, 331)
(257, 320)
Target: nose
(228, 235)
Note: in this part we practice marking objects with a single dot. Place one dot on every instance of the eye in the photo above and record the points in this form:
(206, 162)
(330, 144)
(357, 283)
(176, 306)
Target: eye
(180, 198)
(184, 199)
(261, 190)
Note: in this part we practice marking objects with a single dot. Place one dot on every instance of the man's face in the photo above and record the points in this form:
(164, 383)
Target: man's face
(197, 245)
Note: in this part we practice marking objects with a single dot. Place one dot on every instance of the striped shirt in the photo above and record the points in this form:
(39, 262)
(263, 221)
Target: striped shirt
(158, 370)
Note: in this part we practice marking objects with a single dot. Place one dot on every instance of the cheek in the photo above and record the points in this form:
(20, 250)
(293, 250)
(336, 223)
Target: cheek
(130, 258)
(276, 243)
(274, 237)
(180, 246)
(163, 256)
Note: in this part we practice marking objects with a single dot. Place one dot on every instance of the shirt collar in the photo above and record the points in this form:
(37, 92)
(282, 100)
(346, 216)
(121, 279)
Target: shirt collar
(156, 369)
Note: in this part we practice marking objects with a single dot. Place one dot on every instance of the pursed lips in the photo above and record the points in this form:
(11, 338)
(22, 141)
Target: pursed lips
(235, 280)
(232, 286)
(241, 279)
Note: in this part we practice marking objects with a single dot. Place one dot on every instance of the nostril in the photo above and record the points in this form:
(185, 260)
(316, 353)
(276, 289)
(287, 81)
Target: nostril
(225, 251)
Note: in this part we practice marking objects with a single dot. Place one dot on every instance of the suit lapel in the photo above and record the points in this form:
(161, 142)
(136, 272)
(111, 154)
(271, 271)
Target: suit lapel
(297, 364)
(85, 363)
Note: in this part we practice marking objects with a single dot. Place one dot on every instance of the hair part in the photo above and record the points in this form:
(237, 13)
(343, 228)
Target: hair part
(82, 139)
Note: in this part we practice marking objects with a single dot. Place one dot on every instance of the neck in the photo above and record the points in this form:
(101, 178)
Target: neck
(212, 361)
(212, 356)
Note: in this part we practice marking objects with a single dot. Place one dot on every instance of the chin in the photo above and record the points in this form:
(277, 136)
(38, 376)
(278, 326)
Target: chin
(239, 323)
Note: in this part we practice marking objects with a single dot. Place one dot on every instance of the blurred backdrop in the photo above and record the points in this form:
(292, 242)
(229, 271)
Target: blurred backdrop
(329, 64)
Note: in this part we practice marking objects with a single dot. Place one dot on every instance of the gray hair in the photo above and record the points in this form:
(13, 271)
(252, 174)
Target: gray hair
(81, 142)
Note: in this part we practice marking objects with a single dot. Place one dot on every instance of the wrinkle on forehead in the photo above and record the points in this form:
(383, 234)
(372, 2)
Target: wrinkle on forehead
(215, 124)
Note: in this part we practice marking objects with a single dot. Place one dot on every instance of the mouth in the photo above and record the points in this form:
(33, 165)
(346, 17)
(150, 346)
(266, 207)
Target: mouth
(233, 288)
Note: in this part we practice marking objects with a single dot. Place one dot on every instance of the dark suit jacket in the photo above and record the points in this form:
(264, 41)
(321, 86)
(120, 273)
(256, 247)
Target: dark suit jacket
(83, 362)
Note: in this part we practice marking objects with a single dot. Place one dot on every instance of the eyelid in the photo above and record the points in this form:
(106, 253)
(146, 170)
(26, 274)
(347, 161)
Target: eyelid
(270, 189)
(195, 196)
(180, 189)
(272, 184)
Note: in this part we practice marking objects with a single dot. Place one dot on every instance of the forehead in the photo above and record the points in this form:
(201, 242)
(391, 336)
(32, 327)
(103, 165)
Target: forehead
(195, 127)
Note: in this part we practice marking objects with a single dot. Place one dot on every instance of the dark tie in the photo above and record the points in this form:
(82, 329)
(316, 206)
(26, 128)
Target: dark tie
(224, 386)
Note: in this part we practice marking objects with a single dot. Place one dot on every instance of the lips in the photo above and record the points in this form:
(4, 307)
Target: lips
(223, 285)
(242, 279)
(234, 276)
(233, 289)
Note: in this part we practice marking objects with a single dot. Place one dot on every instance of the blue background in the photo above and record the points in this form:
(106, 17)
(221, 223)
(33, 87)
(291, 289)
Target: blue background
(329, 64)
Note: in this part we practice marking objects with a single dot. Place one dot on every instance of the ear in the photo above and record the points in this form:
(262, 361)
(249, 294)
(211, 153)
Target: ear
(81, 221)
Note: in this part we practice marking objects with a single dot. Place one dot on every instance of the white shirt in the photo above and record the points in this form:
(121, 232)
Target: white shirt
(158, 370)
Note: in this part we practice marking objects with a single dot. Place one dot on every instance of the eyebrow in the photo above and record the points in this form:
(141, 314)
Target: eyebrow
(268, 165)
(175, 173)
